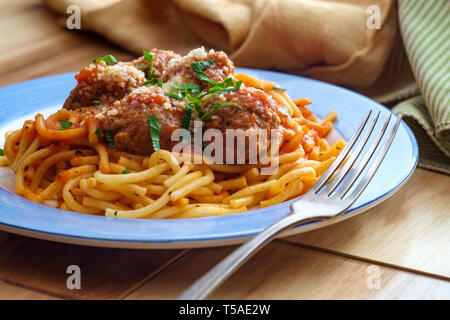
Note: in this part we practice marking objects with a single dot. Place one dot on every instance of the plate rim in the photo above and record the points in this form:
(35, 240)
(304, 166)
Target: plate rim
(199, 242)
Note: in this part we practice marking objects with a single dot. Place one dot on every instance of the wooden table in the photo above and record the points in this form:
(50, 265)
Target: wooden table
(398, 250)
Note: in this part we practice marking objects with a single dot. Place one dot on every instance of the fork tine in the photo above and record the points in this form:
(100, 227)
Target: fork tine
(351, 177)
(376, 163)
(341, 156)
(351, 161)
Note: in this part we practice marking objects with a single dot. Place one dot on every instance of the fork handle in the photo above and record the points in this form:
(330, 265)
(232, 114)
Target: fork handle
(204, 286)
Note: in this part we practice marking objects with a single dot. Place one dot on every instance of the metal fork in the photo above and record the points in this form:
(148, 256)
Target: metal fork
(321, 202)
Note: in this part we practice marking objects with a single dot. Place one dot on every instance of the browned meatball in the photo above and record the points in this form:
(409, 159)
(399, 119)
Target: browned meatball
(179, 70)
(103, 83)
(161, 59)
(254, 110)
(128, 120)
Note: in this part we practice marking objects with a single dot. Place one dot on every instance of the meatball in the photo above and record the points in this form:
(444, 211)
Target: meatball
(179, 70)
(254, 110)
(161, 59)
(103, 83)
(128, 120)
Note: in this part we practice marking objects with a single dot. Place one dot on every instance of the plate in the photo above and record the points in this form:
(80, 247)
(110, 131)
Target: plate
(18, 215)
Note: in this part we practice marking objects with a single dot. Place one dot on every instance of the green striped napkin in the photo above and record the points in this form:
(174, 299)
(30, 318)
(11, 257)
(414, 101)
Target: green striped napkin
(425, 27)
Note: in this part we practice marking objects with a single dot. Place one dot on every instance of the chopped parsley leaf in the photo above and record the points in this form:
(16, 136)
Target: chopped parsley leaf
(176, 96)
(108, 59)
(196, 102)
(198, 68)
(96, 102)
(141, 67)
(190, 88)
(65, 124)
(185, 89)
(98, 133)
(214, 108)
(187, 118)
(109, 135)
(153, 123)
(157, 81)
(278, 89)
(125, 171)
(2, 153)
(149, 57)
(227, 85)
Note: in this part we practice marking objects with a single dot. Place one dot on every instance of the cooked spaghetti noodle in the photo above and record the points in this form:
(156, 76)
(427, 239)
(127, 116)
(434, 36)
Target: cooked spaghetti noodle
(66, 161)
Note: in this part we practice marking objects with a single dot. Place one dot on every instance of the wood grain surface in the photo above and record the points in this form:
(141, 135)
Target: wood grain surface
(411, 229)
(283, 271)
(397, 250)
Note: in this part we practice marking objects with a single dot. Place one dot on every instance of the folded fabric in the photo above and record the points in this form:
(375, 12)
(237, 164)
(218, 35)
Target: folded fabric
(326, 40)
(425, 26)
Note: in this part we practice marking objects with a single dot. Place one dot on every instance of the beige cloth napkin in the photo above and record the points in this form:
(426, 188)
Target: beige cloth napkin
(323, 39)
(327, 40)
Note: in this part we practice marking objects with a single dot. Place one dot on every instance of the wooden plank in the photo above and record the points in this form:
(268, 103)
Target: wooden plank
(31, 52)
(3, 236)
(12, 292)
(411, 229)
(283, 271)
(105, 273)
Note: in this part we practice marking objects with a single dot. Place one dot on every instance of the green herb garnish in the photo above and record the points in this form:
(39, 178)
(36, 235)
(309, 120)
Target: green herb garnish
(109, 135)
(191, 87)
(227, 85)
(157, 81)
(108, 59)
(65, 124)
(278, 89)
(176, 96)
(214, 108)
(2, 153)
(115, 213)
(98, 133)
(187, 118)
(198, 68)
(191, 92)
(149, 57)
(96, 102)
(125, 171)
(153, 123)
(195, 101)
(151, 80)
(141, 67)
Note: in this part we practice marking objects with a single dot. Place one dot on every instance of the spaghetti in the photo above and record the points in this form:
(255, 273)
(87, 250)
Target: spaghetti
(64, 161)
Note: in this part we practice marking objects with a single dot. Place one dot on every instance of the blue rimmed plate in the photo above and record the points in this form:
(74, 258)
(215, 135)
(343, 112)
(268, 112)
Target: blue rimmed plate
(18, 215)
